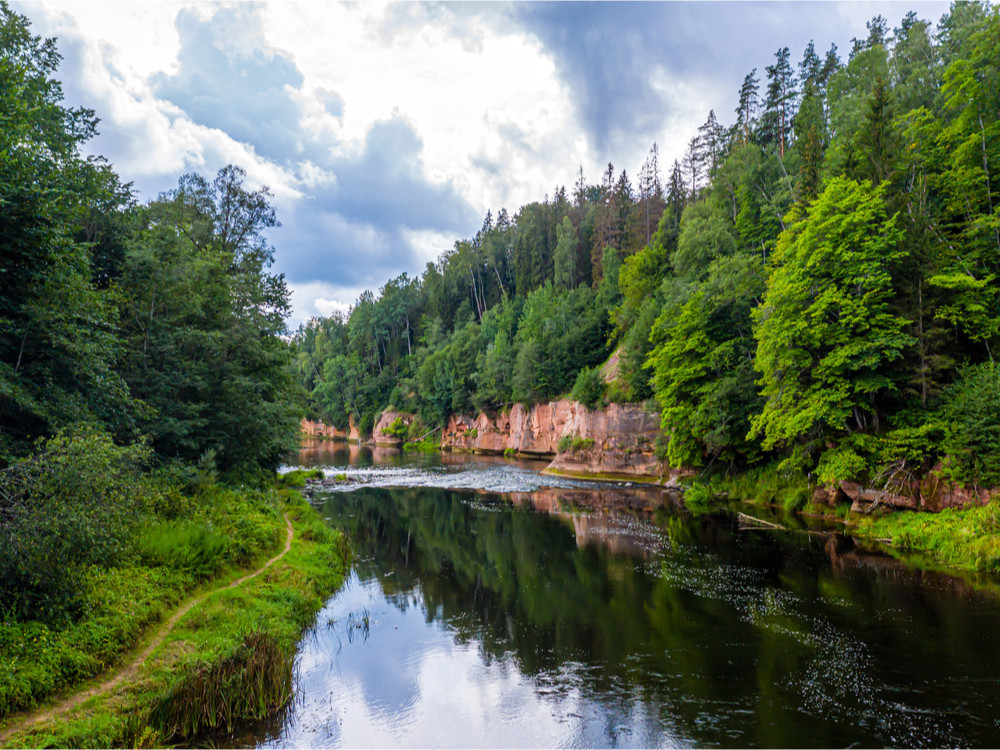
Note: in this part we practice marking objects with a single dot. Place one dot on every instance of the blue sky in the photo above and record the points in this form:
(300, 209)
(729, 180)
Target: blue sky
(385, 131)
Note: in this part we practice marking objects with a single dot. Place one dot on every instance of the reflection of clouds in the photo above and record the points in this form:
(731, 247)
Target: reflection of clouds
(412, 685)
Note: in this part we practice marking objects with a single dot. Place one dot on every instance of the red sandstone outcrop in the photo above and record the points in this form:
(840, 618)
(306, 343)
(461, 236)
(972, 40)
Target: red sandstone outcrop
(382, 432)
(933, 493)
(320, 430)
(617, 439)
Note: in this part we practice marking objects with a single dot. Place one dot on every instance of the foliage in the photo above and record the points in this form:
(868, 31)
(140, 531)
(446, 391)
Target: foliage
(589, 387)
(574, 443)
(71, 505)
(972, 411)
(825, 331)
(397, 429)
(57, 345)
(203, 326)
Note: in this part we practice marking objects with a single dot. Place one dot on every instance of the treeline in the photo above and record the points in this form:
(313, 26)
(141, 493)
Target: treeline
(142, 355)
(157, 321)
(815, 283)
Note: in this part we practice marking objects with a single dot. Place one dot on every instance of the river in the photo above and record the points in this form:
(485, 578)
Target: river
(492, 606)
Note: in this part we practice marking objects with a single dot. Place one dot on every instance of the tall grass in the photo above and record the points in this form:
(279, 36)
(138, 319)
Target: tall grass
(252, 683)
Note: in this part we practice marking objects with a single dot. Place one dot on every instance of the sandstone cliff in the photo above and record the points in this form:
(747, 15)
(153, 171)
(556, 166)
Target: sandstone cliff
(615, 440)
(318, 429)
(382, 433)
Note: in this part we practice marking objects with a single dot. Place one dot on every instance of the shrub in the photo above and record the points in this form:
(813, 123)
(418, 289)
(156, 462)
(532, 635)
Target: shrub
(72, 504)
(573, 443)
(698, 494)
(416, 430)
(397, 429)
(298, 477)
(589, 387)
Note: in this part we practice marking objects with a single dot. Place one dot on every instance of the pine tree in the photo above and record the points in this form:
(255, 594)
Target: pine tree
(749, 105)
(779, 104)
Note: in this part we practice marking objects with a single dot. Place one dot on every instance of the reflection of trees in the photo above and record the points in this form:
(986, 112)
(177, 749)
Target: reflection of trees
(737, 626)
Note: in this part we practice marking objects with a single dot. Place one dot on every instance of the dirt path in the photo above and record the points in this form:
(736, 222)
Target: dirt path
(132, 667)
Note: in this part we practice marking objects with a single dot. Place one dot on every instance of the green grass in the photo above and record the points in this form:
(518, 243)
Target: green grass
(229, 658)
(765, 485)
(965, 539)
(428, 445)
(297, 477)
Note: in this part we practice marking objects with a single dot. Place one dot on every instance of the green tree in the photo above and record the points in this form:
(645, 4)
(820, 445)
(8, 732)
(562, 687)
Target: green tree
(565, 259)
(203, 320)
(58, 345)
(702, 365)
(825, 332)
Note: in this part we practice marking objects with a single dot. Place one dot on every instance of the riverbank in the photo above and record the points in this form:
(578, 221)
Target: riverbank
(966, 539)
(228, 658)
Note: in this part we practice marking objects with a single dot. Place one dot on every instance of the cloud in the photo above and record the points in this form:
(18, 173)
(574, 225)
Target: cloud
(230, 79)
(360, 228)
(622, 60)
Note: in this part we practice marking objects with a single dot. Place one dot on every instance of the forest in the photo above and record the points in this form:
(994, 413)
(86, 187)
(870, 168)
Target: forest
(814, 285)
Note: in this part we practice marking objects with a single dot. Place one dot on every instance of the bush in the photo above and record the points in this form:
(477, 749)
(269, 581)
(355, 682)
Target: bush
(298, 477)
(589, 387)
(416, 430)
(573, 443)
(397, 429)
(72, 504)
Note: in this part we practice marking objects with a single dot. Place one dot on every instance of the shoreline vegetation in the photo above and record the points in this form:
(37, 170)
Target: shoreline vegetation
(227, 658)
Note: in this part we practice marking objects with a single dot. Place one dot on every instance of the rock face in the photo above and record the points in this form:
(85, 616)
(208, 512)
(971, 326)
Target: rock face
(617, 439)
(933, 493)
(320, 430)
(381, 433)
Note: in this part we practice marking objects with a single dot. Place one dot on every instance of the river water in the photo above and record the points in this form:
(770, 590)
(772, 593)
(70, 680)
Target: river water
(492, 606)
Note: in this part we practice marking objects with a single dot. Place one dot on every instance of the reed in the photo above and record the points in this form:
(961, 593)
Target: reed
(252, 683)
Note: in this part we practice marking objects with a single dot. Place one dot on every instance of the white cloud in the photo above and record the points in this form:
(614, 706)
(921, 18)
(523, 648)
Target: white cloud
(318, 298)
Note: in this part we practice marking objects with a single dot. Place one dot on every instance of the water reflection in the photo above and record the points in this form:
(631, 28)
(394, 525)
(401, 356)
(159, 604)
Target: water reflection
(490, 623)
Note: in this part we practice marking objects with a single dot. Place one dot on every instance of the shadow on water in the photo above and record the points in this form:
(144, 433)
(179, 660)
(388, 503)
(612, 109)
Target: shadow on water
(561, 616)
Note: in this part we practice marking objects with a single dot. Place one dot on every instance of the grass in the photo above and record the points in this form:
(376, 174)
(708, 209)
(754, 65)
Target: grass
(965, 539)
(297, 477)
(428, 445)
(229, 658)
(956, 539)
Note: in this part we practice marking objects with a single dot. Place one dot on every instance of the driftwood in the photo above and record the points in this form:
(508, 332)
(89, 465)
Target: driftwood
(426, 434)
(757, 523)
